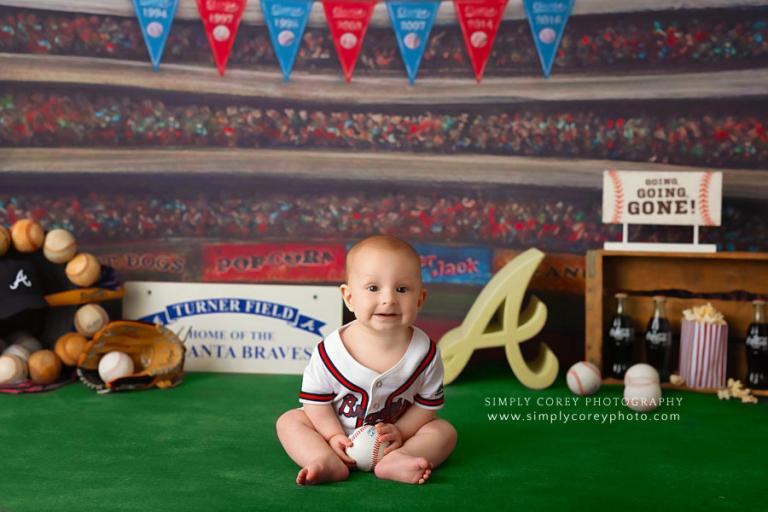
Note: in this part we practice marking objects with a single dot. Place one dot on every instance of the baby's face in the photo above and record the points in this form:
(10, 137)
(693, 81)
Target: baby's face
(384, 289)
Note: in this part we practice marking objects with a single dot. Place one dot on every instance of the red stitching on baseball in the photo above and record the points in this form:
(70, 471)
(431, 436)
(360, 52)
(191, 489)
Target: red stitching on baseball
(618, 204)
(376, 446)
(704, 199)
(578, 381)
(355, 435)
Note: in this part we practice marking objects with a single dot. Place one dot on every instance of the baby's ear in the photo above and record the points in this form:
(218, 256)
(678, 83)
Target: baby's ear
(422, 297)
(346, 295)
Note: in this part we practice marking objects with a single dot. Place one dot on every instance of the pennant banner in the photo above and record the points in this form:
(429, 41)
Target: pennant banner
(412, 22)
(547, 19)
(348, 21)
(221, 19)
(155, 18)
(286, 20)
(479, 20)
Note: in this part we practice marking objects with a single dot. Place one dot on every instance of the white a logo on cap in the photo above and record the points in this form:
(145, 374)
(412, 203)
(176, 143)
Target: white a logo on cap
(21, 278)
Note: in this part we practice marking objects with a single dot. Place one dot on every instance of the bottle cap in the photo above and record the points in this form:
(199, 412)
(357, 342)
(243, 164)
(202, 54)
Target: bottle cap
(758, 302)
(621, 295)
(659, 298)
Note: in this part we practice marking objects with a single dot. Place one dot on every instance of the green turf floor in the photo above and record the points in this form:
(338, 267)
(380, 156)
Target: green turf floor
(210, 445)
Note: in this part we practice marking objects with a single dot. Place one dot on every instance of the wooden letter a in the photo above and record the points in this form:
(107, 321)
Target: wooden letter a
(501, 300)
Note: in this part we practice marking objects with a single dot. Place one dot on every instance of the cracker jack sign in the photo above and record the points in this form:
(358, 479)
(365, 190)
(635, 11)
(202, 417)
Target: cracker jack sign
(675, 198)
(239, 328)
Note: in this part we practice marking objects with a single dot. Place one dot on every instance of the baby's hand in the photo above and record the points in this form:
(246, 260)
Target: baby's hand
(391, 433)
(339, 443)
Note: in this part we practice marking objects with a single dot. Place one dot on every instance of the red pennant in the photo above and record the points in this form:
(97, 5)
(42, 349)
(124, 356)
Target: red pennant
(348, 20)
(221, 18)
(479, 20)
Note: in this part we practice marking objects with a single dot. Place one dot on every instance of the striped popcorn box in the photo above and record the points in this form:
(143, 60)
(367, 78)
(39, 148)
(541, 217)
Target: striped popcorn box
(703, 351)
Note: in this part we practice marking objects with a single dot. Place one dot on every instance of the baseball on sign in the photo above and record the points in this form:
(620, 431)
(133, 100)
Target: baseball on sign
(478, 39)
(367, 448)
(547, 36)
(412, 40)
(221, 33)
(286, 38)
(154, 29)
(348, 40)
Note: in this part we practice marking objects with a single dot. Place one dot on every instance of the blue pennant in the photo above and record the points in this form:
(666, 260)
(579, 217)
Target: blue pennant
(286, 20)
(547, 19)
(412, 22)
(155, 18)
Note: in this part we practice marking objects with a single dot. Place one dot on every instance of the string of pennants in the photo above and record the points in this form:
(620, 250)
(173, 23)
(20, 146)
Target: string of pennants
(348, 21)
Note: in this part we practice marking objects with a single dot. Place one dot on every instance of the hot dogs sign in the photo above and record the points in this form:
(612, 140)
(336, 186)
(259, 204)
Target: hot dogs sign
(677, 198)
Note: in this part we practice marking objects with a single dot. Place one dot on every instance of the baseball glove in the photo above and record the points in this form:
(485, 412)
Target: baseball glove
(157, 353)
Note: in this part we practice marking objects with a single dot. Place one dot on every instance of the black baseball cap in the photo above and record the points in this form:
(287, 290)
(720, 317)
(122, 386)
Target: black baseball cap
(20, 287)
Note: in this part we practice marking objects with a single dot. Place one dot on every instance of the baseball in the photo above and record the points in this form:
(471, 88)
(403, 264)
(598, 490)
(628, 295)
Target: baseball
(348, 40)
(44, 367)
(114, 365)
(89, 319)
(19, 351)
(583, 378)
(69, 347)
(26, 340)
(286, 38)
(59, 246)
(5, 240)
(478, 39)
(367, 449)
(27, 235)
(12, 369)
(221, 33)
(642, 397)
(641, 374)
(83, 270)
(412, 40)
(547, 36)
(155, 29)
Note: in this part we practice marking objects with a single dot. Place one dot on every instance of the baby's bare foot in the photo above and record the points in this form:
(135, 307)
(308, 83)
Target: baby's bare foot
(402, 467)
(319, 471)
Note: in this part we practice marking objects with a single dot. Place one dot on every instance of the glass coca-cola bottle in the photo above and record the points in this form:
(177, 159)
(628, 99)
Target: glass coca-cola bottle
(757, 348)
(619, 339)
(658, 340)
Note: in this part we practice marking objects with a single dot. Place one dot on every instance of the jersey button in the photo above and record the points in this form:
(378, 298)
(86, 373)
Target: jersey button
(379, 384)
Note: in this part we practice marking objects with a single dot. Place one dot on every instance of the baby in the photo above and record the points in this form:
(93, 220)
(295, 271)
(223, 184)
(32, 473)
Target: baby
(378, 369)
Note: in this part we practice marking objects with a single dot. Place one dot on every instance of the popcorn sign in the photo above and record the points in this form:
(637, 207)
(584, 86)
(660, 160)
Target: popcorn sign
(678, 198)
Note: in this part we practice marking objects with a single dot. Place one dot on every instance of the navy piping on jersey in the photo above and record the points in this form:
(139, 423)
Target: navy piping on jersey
(422, 366)
(344, 381)
(428, 401)
(315, 397)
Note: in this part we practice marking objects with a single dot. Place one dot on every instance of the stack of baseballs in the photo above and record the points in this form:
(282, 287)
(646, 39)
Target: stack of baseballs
(642, 391)
(59, 246)
(24, 358)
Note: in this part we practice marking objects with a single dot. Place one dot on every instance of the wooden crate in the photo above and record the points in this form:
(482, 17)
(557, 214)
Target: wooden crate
(741, 275)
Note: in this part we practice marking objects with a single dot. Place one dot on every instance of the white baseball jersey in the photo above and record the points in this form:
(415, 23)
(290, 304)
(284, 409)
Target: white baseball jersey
(360, 395)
